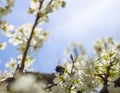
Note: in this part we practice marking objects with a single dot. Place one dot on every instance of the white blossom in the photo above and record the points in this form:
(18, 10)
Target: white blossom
(3, 45)
(11, 64)
(7, 8)
(28, 61)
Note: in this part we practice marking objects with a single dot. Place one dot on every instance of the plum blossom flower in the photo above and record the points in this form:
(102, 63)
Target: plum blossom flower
(6, 28)
(6, 9)
(28, 61)
(11, 64)
(3, 45)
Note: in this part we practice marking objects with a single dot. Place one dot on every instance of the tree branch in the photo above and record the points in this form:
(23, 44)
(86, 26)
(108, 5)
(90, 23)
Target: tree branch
(108, 68)
(21, 68)
(116, 82)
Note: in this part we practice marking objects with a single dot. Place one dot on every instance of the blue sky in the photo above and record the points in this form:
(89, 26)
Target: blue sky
(84, 21)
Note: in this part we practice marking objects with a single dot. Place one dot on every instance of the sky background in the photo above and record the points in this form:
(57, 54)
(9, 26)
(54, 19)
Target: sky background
(83, 21)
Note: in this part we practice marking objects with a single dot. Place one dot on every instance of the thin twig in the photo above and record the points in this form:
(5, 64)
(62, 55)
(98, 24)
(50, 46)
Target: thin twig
(73, 64)
(101, 76)
(50, 2)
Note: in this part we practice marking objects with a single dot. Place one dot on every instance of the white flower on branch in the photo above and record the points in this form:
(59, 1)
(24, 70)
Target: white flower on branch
(3, 45)
(6, 9)
(11, 64)
(6, 28)
(28, 61)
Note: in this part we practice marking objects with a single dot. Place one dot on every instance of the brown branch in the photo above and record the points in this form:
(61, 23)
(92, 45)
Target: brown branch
(30, 38)
(101, 76)
(105, 79)
(50, 2)
(105, 88)
(108, 73)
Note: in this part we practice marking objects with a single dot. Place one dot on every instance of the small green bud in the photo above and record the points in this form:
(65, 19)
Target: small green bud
(71, 56)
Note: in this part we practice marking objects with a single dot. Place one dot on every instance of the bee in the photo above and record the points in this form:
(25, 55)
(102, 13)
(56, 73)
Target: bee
(60, 69)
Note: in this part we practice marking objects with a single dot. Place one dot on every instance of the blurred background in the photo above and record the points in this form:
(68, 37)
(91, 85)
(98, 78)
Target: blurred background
(83, 21)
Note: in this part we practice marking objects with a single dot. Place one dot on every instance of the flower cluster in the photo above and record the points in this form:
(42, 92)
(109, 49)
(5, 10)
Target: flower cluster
(107, 53)
(78, 75)
(86, 75)
(46, 9)
(21, 34)
(19, 38)
(6, 9)
(6, 28)
(12, 64)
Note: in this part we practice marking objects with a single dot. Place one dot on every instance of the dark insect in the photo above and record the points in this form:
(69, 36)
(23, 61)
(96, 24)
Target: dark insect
(60, 69)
